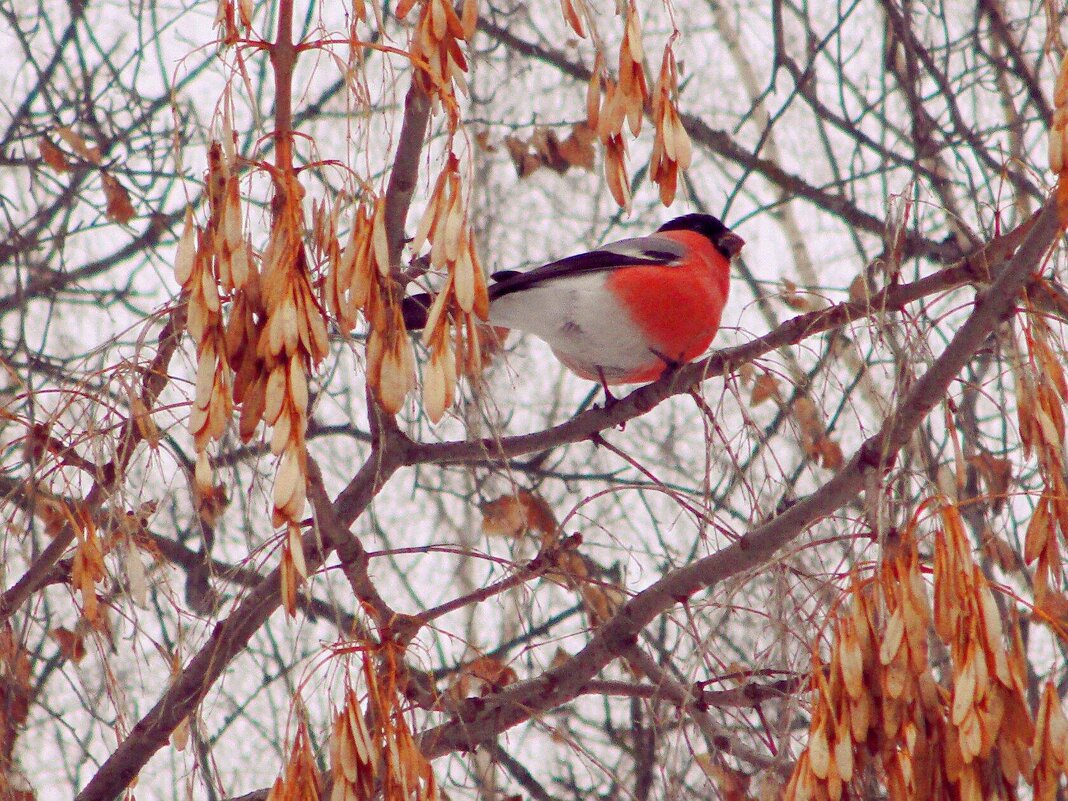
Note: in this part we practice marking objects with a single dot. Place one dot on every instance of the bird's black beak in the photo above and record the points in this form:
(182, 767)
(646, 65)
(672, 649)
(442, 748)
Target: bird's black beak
(730, 244)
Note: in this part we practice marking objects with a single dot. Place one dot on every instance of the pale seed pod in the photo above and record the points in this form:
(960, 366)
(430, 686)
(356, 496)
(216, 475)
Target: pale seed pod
(275, 394)
(430, 214)
(436, 309)
(296, 548)
(298, 384)
(285, 481)
(438, 22)
(819, 752)
(198, 418)
(464, 271)
(633, 36)
(683, 145)
(209, 292)
(205, 380)
(378, 238)
(202, 472)
(239, 265)
(185, 257)
(469, 18)
(435, 391)
(396, 376)
(454, 225)
(281, 433)
(593, 94)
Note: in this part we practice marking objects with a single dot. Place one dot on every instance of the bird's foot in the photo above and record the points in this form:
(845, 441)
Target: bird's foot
(670, 364)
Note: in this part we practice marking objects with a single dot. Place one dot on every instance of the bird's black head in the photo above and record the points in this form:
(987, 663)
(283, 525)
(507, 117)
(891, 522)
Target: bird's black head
(726, 241)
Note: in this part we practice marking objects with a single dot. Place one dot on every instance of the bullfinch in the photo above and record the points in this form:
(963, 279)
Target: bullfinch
(626, 311)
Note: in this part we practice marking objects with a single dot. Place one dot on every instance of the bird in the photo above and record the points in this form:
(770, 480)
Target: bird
(624, 312)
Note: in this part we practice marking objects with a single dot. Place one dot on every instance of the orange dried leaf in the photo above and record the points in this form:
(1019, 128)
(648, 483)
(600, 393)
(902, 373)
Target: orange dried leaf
(76, 143)
(119, 207)
(52, 155)
(514, 515)
(492, 671)
(765, 386)
(71, 645)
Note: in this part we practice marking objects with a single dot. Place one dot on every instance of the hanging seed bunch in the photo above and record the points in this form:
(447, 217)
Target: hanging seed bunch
(292, 341)
(625, 100)
(1041, 394)
(1058, 139)
(880, 700)
(1051, 744)
(451, 333)
(378, 746)
(436, 53)
(274, 337)
(204, 265)
(991, 730)
(87, 567)
(671, 147)
(359, 279)
(354, 756)
(300, 781)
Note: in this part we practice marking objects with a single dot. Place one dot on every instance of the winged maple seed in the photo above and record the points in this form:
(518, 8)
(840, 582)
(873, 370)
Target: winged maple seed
(574, 11)
(879, 700)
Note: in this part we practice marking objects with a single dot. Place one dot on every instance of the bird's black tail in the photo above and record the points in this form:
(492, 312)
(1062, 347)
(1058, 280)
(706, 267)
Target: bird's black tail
(415, 309)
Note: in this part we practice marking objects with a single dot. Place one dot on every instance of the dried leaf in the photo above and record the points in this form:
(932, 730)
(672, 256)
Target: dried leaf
(119, 207)
(90, 153)
(514, 515)
(765, 386)
(52, 155)
(71, 645)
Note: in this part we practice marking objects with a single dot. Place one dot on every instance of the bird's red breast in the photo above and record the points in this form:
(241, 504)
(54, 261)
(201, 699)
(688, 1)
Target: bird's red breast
(677, 306)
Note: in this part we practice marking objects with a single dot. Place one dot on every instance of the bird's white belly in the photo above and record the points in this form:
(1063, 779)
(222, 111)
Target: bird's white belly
(581, 320)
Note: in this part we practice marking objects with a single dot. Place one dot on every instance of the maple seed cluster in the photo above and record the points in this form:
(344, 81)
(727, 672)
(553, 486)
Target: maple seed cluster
(359, 279)
(880, 699)
(382, 752)
(452, 352)
(262, 356)
(609, 104)
(1058, 139)
(1042, 390)
(301, 779)
(435, 50)
(621, 101)
(671, 147)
